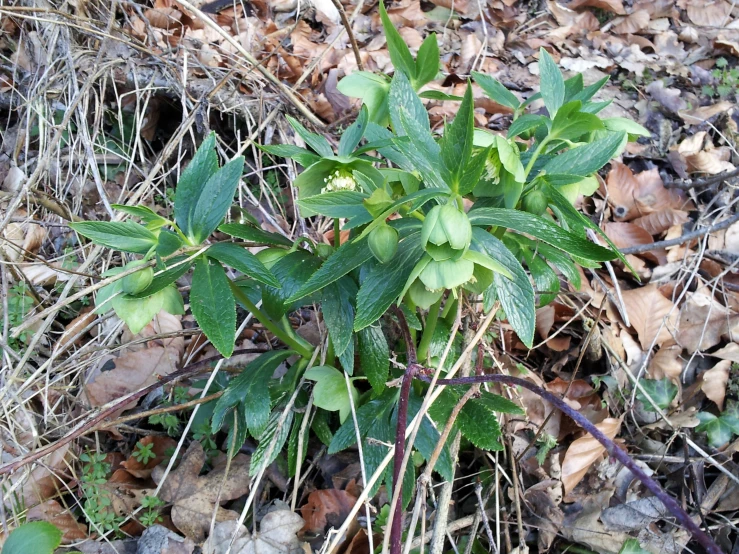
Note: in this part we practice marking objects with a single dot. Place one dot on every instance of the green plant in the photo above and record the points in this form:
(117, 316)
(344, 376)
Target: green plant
(39, 537)
(20, 303)
(150, 514)
(470, 211)
(144, 452)
(97, 505)
(722, 428)
(725, 80)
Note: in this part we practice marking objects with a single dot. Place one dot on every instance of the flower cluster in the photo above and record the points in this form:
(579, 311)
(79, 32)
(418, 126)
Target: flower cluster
(340, 179)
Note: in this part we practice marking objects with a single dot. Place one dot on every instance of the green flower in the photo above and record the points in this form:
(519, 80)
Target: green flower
(446, 233)
(340, 179)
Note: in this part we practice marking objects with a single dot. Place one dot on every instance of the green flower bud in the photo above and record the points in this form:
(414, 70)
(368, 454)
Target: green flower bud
(447, 274)
(421, 296)
(447, 225)
(383, 242)
(535, 202)
(270, 256)
(324, 250)
(138, 281)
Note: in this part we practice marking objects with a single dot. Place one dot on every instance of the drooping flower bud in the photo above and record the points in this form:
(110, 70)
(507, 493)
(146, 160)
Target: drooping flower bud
(340, 179)
(447, 225)
(270, 256)
(383, 242)
(535, 202)
(138, 281)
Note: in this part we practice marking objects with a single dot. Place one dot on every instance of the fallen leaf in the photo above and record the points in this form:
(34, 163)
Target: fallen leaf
(325, 509)
(632, 196)
(583, 525)
(161, 445)
(277, 535)
(193, 496)
(625, 235)
(709, 13)
(633, 23)
(584, 452)
(715, 381)
(701, 156)
(668, 97)
(61, 518)
(633, 516)
(157, 539)
(702, 322)
(73, 329)
(44, 481)
(666, 363)
(729, 352)
(658, 222)
(701, 114)
(613, 6)
(651, 315)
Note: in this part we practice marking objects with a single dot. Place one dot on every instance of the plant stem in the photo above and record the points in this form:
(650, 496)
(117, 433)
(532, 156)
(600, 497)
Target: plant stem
(428, 331)
(683, 519)
(535, 155)
(294, 342)
(337, 233)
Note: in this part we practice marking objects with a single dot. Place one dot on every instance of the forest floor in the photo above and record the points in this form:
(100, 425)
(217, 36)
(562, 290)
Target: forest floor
(101, 107)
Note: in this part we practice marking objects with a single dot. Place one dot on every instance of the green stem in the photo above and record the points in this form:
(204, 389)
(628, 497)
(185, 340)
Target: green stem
(337, 233)
(450, 308)
(535, 155)
(294, 342)
(428, 331)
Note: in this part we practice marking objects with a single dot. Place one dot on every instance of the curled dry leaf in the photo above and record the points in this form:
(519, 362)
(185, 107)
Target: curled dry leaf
(658, 222)
(277, 535)
(701, 156)
(668, 97)
(703, 321)
(715, 381)
(584, 452)
(625, 235)
(21, 238)
(633, 23)
(709, 13)
(666, 363)
(73, 330)
(652, 316)
(44, 481)
(613, 6)
(729, 352)
(53, 512)
(194, 497)
(325, 509)
(632, 196)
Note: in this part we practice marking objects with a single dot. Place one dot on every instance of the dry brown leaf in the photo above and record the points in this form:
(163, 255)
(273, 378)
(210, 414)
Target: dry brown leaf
(668, 97)
(326, 509)
(666, 363)
(584, 452)
(277, 535)
(709, 13)
(61, 518)
(43, 482)
(632, 196)
(193, 497)
(613, 6)
(74, 328)
(703, 321)
(658, 222)
(164, 18)
(715, 381)
(729, 352)
(625, 235)
(651, 315)
(161, 445)
(701, 156)
(22, 238)
(633, 23)
(702, 114)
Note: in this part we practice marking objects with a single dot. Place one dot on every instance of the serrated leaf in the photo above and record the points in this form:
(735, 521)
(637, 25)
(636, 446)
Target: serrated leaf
(496, 91)
(168, 243)
(213, 202)
(367, 415)
(516, 295)
(213, 305)
(456, 144)
(337, 306)
(126, 236)
(250, 389)
(188, 191)
(271, 440)
(330, 392)
(570, 123)
(374, 356)
(252, 234)
(304, 157)
(344, 203)
(291, 271)
(525, 123)
(542, 229)
(382, 285)
(400, 55)
(586, 159)
(354, 133)
(242, 260)
(151, 219)
(480, 426)
(552, 84)
(545, 280)
(317, 142)
(403, 96)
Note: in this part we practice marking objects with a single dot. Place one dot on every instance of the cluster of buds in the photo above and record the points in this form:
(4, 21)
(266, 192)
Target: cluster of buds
(340, 179)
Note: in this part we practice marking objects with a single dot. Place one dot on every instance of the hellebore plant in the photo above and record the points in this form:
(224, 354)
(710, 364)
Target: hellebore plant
(434, 221)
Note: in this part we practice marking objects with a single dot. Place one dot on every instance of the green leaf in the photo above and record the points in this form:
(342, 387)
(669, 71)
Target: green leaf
(542, 229)
(367, 415)
(37, 537)
(329, 392)
(730, 415)
(586, 159)
(252, 234)
(382, 284)
(588, 92)
(661, 391)
(214, 201)
(570, 123)
(400, 55)
(340, 203)
(510, 157)
(552, 83)
(496, 91)
(456, 144)
(632, 546)
(292, 272)
(525, 123)
(168, 243)
(516, 295)
(304, 157)
(427, 438)
(213, 305)
(573, 86)
(250, 389)
(271, 440)
(561, 261)
(718, 431)
(354, 133)
(374, 356)
(137, 313)
(316, 142)
(372, 89)
(473, 172)
(545, 280)
(337, 306)
(440, 96)
(427, 62)
(170, 273)
(480, 426)
(403, 96)
(242, 260)
(189, 188)
(626, 125)
(126, 236)
(348, 257)
(151, 219)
